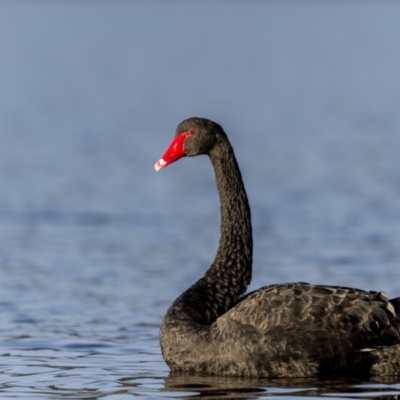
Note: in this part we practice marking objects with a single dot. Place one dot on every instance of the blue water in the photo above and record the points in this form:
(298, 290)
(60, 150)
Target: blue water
(94, 245)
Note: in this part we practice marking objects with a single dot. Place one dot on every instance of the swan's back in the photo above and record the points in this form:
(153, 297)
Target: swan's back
(299, 329)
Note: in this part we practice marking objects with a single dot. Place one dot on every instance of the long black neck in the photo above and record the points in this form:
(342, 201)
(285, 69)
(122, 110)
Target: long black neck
(230, 273)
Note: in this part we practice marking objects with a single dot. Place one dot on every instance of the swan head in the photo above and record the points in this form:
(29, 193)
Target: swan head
(193, 136)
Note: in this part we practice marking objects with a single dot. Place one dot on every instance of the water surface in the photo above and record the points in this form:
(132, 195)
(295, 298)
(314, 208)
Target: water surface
(94, 245)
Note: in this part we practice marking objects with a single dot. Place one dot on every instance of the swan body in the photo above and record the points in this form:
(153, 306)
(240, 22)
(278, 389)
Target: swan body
(284, 330)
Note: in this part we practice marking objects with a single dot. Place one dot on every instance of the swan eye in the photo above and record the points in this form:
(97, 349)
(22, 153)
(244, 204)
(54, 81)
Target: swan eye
(190, 132)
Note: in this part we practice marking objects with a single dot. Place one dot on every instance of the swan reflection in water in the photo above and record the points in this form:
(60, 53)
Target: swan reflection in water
(240, 387)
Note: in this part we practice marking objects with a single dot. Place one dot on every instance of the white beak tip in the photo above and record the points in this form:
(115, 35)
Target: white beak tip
(160, 164)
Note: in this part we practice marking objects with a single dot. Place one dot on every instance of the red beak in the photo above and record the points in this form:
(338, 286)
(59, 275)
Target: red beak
(174, 152)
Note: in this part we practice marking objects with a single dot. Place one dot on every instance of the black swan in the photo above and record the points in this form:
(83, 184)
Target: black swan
(284, 330)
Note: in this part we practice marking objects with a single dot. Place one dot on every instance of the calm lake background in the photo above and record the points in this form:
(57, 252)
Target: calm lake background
(94, 245)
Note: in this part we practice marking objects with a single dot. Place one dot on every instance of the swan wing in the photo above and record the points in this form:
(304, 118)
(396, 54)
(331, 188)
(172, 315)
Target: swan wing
(323, 320)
